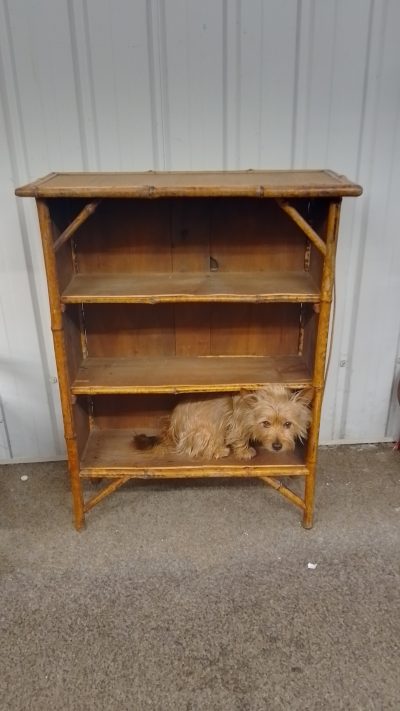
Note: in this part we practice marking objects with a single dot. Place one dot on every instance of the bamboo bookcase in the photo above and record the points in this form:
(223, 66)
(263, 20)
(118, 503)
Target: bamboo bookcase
(164, 284)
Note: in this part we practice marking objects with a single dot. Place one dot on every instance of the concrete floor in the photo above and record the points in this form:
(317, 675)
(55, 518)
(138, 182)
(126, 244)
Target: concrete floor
(197, 596)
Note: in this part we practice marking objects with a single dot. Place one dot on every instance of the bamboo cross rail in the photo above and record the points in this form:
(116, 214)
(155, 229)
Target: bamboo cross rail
(303, 224)
(109, 489)
(284, 490)
(88, 210)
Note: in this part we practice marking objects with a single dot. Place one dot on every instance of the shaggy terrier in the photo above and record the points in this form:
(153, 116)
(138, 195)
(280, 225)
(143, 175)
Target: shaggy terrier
(213, 427)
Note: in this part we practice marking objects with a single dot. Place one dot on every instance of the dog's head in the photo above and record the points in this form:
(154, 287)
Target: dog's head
(276, 416)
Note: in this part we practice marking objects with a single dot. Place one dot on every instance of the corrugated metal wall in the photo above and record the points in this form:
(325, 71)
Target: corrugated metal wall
(175, 84)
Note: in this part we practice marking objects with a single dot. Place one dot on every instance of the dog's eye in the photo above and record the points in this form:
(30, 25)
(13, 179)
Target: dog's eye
(287, 425)
(266, 423)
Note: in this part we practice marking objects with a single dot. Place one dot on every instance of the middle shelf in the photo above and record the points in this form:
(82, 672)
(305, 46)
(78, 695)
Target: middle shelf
(151, 288)
(177, 374)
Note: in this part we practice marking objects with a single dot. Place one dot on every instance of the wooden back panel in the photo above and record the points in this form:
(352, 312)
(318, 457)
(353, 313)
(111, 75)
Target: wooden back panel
(122, 330)
(132, 411)
(182, 235)
(62, 212)
(189, 235)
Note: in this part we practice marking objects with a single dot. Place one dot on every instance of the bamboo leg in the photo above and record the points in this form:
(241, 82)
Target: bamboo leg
(76, 484)
(309, 484)
(320, 359)
(61, 361)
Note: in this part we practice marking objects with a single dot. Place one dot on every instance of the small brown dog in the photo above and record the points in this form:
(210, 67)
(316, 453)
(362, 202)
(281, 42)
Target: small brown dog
(273, 417)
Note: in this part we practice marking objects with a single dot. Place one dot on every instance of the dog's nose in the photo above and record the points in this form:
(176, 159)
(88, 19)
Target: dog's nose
(276, 446)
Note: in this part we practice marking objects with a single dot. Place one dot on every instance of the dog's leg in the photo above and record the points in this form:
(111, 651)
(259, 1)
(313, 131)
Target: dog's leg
(242, 450)
(221, 452)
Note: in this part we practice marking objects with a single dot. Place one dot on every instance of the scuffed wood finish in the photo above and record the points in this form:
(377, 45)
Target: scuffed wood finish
(179, 284)
(184, 375)
(110, 453)
(308, 183)
(195, 287)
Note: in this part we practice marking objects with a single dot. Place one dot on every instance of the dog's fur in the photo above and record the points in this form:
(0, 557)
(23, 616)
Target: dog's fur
(273, 417)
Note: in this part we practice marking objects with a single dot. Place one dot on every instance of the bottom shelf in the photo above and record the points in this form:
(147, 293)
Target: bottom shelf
(110, 453)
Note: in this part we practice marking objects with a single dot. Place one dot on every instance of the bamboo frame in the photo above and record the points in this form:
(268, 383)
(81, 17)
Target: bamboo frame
(106, 491)
(86, 212)
(155, 184)
(210, 471)
(333, 189)
(284, 491)
(304, 226)
(320, 358)
(61, 360)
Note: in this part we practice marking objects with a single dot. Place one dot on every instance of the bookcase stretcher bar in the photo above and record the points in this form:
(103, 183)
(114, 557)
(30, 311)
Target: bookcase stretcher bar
(110, 488)
(284, 491)
(105, 491)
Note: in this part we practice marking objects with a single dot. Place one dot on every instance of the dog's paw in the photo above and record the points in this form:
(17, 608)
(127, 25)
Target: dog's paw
(223, 452)
(245, 453)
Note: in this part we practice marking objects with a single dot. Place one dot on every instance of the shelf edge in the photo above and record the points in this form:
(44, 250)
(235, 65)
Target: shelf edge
(214, 471)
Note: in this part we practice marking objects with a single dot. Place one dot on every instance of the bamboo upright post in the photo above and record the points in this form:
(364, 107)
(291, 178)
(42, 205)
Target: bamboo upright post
(61, 360)
(320, 358)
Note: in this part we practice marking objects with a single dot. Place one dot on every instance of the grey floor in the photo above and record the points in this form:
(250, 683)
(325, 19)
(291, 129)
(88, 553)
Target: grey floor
(197, 596)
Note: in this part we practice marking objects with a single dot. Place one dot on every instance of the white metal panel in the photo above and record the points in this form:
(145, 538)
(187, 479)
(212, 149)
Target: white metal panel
(29, 424)
(265, 74)
(190, 59)
(116, 38)
(375, 334)
(181, 84)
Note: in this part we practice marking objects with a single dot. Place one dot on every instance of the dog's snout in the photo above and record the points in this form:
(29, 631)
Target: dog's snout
(276, 445)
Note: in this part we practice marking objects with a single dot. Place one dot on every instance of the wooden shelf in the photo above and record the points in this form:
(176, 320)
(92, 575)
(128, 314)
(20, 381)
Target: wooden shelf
(194, 374)
(152, 288)
(110, 453)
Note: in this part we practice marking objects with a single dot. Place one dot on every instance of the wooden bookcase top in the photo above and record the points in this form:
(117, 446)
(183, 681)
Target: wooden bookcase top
(249, 183)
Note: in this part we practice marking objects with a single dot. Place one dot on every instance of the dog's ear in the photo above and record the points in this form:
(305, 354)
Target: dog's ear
(250, 396)
(305, 396)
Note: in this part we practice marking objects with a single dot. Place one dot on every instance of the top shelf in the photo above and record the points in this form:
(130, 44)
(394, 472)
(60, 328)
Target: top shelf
(269, 184)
